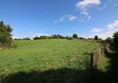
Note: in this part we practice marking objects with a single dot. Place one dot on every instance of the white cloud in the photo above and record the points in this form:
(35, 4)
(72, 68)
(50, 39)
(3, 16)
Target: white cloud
(96, 30)
(71, 17)
(68, 17)
(113, 25)
(109, 33)
(84, 6)
(102, 35)
(110, 30)
(85, 3)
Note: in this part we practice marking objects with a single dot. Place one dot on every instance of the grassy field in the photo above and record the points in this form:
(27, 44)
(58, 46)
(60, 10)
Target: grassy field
(44, 55)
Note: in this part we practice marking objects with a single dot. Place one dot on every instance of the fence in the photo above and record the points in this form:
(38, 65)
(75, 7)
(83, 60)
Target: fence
(96, 58)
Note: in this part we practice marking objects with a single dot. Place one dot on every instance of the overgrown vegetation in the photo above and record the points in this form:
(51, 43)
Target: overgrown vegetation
(115, 35)
(5, 35)
(111, 54)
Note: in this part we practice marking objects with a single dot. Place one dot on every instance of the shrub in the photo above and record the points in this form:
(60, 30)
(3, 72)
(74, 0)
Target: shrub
(5, 36)
(116, 39)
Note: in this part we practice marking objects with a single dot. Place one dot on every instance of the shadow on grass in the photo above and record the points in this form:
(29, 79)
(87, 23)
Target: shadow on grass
(112, 74)
(62, 75)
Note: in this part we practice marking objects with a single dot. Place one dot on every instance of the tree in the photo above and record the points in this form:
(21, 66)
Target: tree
(5, 35)
(75, 35)
(57, 36)
(108, 39)
(9, 29)
(115, 35)
(96, 37)
(36, 38)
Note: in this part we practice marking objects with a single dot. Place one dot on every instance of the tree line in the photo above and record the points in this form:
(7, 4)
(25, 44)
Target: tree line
(58, 36)
(55, 36)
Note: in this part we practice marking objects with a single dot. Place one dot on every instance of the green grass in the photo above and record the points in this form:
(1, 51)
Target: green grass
(45, 55)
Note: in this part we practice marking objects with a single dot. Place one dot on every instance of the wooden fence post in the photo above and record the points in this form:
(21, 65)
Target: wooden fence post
(91, 68)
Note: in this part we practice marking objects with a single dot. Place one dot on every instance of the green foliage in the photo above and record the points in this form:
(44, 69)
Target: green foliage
(75, 35)
(5, 40)
(110, 41)
(5, 36)
(9, 29)
(96, 37)
(116, 39)
(81, 38)
(49, 37)
(26, 38)
(44, 37)
(68, 38)
(36, 38)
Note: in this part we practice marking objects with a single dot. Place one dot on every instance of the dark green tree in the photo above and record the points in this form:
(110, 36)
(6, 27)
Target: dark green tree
(96, 37)
(36, 38)
(115, 35)
(108, 39)
(9, 29)
(75, 35)
(5, 35)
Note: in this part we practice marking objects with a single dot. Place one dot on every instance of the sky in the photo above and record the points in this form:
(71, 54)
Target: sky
(87, 18)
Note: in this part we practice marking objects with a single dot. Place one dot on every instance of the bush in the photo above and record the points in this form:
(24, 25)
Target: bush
(5, 36)
(70, 38)
(116, 39)
(110, 41)
(6, 40)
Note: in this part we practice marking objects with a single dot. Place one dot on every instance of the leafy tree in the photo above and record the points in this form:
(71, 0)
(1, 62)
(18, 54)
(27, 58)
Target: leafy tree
(5, 35)
(67, 37)
(108, 39)
(96, 37)
(44, 37)
(116, 39)
(57, 36)
(36, 38)
(9, 29)
(75, 36)
(26, 38)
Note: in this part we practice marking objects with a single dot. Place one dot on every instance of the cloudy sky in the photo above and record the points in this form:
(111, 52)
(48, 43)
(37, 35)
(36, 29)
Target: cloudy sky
(87, 18)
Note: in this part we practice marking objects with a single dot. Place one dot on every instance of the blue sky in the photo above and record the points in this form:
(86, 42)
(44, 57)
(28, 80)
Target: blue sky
(87, 18)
